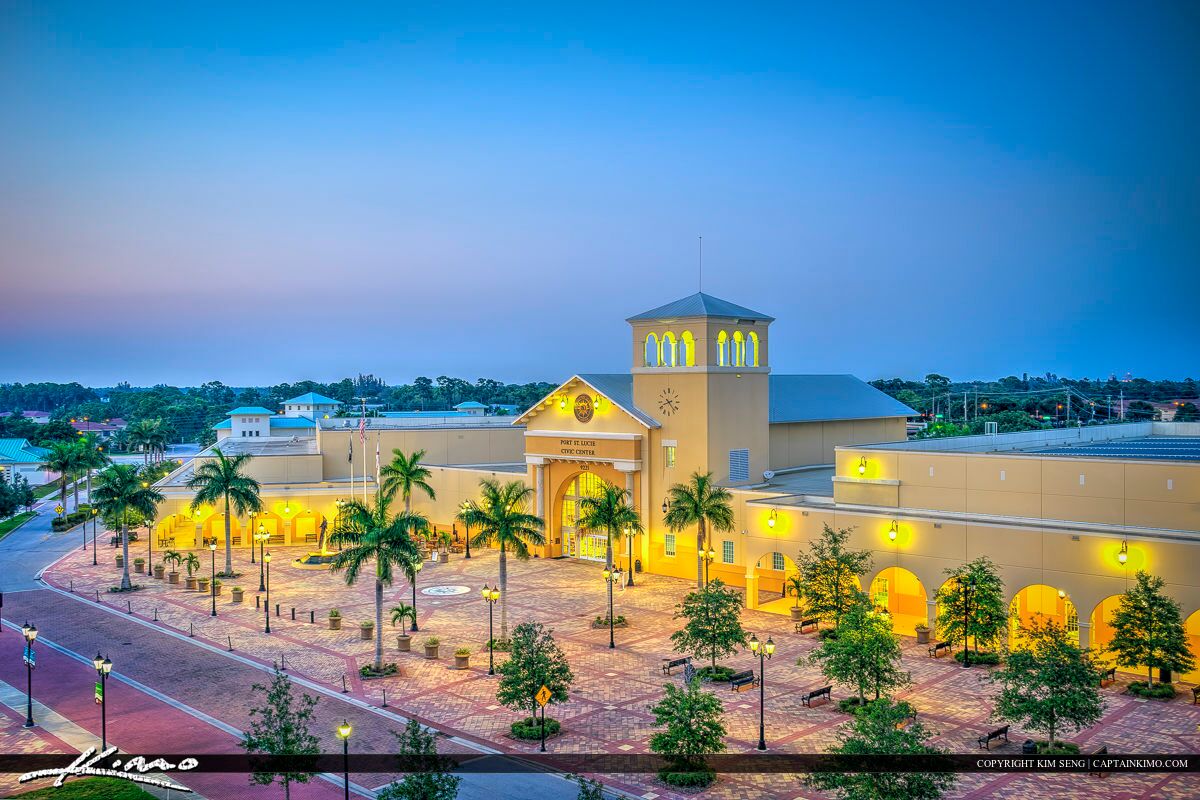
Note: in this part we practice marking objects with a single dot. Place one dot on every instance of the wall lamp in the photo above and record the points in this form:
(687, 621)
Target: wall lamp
(862, 466)
(562, 402)
(666, 506)
(894, 531)
(771, 519)
(1123, 556)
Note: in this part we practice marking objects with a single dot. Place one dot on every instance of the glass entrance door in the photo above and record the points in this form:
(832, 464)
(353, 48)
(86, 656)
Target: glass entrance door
(576, 543)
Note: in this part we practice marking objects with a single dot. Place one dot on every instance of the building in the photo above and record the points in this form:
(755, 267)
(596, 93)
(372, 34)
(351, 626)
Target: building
(1066, 514)
(19, 457)
(38, 417)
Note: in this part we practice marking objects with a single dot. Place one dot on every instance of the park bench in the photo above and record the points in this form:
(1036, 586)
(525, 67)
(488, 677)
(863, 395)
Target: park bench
(807, 625)
(670, 663)
(742, 679)
(1195, 695)
(310, 538)
(986, 740)
(1099, 751)
(807, 698)
(1108, 676)
(115, 541)
(939, 649)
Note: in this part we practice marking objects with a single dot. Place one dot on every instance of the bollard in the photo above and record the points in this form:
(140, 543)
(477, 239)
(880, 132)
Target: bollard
(344, 689)
(156, 613)
(277, 609)
(72, 586)
(258, 601)
(191, 630)
(97, 595)
(283, 662)
(385, 698)
(312, 616)
(293, 613)
(230, 640)
(129, 606)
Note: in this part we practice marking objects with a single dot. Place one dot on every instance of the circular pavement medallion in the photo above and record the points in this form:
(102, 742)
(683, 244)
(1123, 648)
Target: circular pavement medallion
(445, 591)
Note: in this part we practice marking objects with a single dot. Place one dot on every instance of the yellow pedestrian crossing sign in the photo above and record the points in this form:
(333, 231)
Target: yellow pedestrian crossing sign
(543, 696)
(59, 509)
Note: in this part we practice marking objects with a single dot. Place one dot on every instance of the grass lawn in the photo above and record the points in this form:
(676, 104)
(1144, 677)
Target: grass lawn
(46, 490)
(8, 525)
(89, 789)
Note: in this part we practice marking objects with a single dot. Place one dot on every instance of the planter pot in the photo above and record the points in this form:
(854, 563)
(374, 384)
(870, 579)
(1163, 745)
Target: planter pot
(445, 556)
(404, 643)
(237, 595)
(202, 585)
(923, 637)
(159, 569)
(120, 561)
(217, 590)
(797, 614)
(335, 623)
(431, 651)
(139, 568)
(173, 577)
(462, 662)
(190, 583)
(366, 632)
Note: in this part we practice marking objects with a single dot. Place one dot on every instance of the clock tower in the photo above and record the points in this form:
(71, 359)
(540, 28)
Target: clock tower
(700, 368)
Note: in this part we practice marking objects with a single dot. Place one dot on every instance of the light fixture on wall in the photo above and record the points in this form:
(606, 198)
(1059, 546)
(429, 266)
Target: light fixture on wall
(862, 466)
(666, 506)
(1061, 594)
(771, 519)
(562, 402)
(287, 509)
(894, 531)
(1123, 556)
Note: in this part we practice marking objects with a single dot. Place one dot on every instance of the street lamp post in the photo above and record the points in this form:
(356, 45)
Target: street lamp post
(466, 529)
(266, 560)
(30, 632)
(343, 732)
(611, 576)
(261, 537)
(708, 554)
(629, 546)
(491, 596)
(968, 590)
(416, 568)
(253, 535)
(103, 666)
(212, 586)
(764, 650)
(94, 513)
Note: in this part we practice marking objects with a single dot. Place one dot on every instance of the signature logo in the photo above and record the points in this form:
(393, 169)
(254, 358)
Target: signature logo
(132, 770)
(584, 409)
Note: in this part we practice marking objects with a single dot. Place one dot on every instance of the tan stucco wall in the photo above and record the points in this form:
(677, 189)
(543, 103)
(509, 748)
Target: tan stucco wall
(802, 444)
(500, 445)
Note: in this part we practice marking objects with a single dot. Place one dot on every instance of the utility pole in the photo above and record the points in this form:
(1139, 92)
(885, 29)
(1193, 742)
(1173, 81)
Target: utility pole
(964, 408)
(1068, 407)
(1122, 402)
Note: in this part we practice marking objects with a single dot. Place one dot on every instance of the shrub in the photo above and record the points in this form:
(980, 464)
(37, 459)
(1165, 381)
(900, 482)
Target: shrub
(983, 658)
(217, 583)
(826, 633)
(500, 645)
(139, 561)
(462, 652)
(717, 673)
(366, 623)
(851, 705)
(1159, 691)
(688, 780)
(334, 613)
(531, 728)
(1060, 748)
(368, 670)
(921, 627)
(432, 641)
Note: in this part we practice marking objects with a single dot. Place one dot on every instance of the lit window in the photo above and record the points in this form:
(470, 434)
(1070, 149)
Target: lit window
(687, 350)
(651, 355)
(669, 545)
(753, 349)
(669, 350)
(722, 349)
(670, 455)
(777, 562)
(739, 349)
(1072, 618)
(727, 551)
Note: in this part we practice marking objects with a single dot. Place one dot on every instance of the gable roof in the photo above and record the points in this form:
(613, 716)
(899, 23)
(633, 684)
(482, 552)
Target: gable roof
(314, 399)
(20, 451)
(242, 410)
(617, 387)
(700, 305)
(812, 398)
(470, 404)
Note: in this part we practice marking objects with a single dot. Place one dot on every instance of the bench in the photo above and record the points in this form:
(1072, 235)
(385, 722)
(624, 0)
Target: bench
(1099, 751)
(1108, 676)
(939, 649)
(986, 740)
(310, 538)
(670, 663)
(807, 698)
(739, 680)
(115, 541)
(806, 625)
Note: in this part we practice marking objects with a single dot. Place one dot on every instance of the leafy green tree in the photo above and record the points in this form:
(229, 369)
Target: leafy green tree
(370, 534)
(971, 605)
(1048, 683)
(224, 479)
(63, 458)
(865, 653)
(404, 474)
(692, 729)
(1187, 412)
(830, 571)
(428, 775)
(118, 492)
(714, 627)
(610, 512)
(534, 661)
(590, 790)
(499, 517)
(879, 729)
(279, 726)
(702, 503)
(1148, 629)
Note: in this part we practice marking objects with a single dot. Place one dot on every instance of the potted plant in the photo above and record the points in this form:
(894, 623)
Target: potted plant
(173, 558)
(158, 571)
(431, 647)
(403, 613)
(444, 541)
(794, 586)
(202, 585)
(366, 630)
(216, 586)
(462, 658)
(139, 565)
(335, 619)
(192, 562)
(237, 594)
(120, 560)
(922, 633)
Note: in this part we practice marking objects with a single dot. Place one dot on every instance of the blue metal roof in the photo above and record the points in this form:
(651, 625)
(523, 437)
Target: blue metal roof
(20, 451)
(700, 305)
(314, 399)
(292, 422)
(241, 410)
(470, 404)
(618, 387)
(422, 414)
(812, 398)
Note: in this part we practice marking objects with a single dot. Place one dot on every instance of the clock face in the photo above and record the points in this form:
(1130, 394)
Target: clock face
(668, 401)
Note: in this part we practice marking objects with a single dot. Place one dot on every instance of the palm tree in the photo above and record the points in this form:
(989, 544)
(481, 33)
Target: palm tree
(149, 435)
(404, 474)
(91, 456)
(402, 614)
(63, 458)
(500, 518)
(609, 511)
(118, 492)
(373, 534)
(224, 479)
(702, 503)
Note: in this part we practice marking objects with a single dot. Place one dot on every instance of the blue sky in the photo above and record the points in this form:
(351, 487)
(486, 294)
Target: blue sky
(293, 191)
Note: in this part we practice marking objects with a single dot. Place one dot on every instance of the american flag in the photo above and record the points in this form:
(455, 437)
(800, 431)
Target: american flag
(362, 429)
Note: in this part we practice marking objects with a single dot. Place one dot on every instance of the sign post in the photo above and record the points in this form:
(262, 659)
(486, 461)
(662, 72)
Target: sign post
(542, 697)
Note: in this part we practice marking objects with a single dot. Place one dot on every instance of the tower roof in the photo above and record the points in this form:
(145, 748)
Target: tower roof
(700, 305)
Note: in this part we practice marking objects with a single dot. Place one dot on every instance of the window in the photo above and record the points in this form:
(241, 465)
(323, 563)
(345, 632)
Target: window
(687, 350)
(739, 465)
(777, 562)
(753, 349)
(669, 350)
(670, 455)
(1072, 618)
(727, 551)
(669, 545)
(722, 349)
(651, 355)
(739, 349)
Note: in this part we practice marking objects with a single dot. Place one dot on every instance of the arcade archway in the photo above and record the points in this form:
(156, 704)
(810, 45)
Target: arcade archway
(1192, 627)
(578, 543)
(773, 571)
(903, 596)
(1040, 601)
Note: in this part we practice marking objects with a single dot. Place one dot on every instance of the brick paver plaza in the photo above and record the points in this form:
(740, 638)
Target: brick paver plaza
(607, 712)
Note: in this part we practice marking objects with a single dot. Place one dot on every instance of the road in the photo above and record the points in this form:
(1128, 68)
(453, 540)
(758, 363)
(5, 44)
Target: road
(172, 687)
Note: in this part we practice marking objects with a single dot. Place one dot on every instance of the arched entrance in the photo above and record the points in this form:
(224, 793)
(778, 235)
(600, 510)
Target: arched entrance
(773, 570)
(902, 595)
(1040, 600)
(587, 545)
(1192, 627)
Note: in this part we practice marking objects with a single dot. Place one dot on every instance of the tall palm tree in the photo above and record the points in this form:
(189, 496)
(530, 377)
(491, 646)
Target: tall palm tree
(224, 478)
(372, 534)
(150, 436)
(118, 492)
(702, 503)
(63, 458)
(500, 518)
(609, 511)
(404, 474)
(91, 456)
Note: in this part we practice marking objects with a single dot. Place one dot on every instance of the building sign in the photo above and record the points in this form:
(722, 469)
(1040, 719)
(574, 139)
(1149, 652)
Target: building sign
(576, 448)
(584, 409)
(596, 448)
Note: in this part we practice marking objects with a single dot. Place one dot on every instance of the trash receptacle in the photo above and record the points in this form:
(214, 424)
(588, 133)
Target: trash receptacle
(1029, 748)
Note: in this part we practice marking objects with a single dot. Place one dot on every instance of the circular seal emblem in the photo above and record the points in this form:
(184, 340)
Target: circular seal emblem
(445, 591)
(584, 408)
